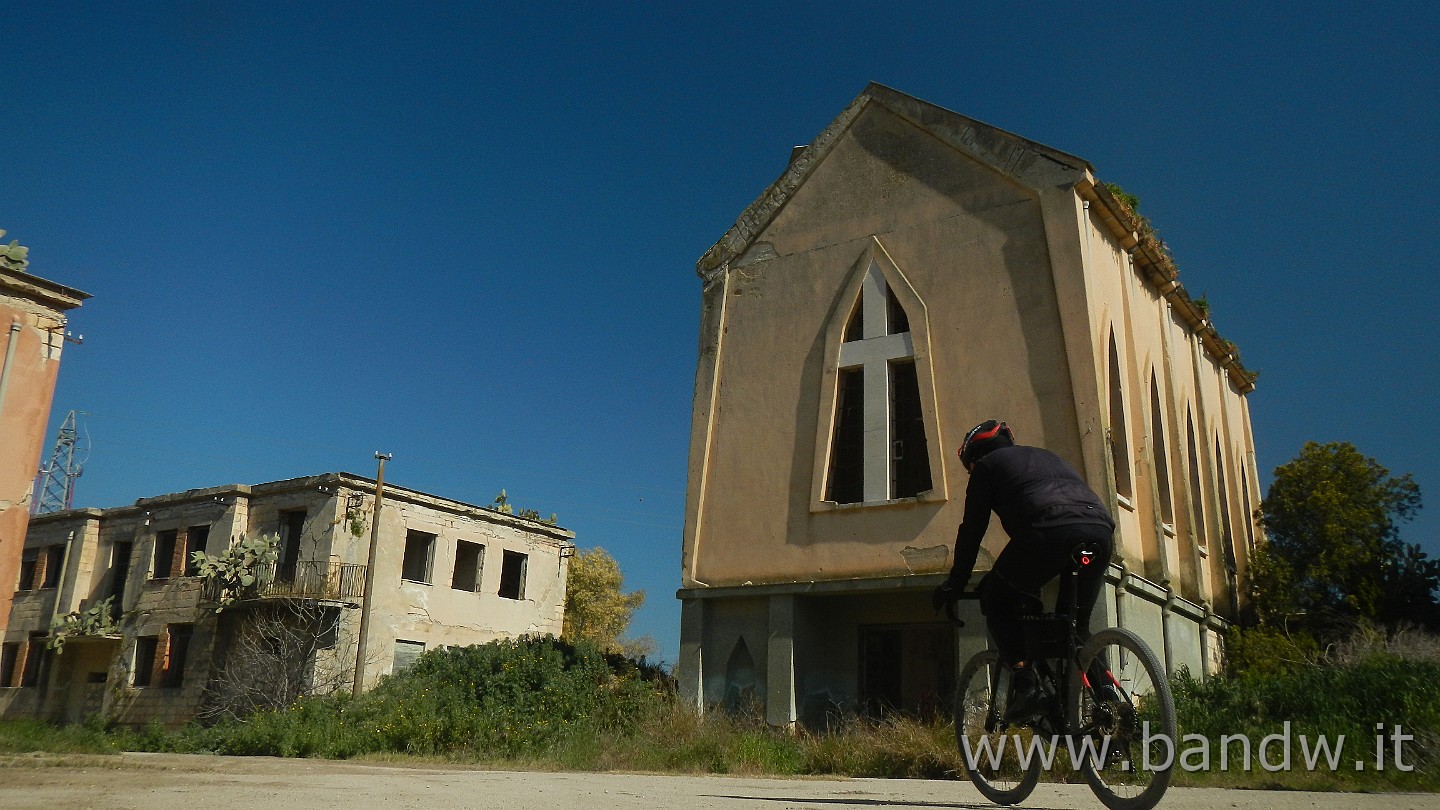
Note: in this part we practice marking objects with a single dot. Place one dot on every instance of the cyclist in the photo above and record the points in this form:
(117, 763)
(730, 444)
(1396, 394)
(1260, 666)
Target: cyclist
(1046, 508)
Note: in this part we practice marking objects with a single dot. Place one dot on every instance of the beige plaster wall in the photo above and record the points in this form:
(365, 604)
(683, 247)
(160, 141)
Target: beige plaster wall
(973, 245)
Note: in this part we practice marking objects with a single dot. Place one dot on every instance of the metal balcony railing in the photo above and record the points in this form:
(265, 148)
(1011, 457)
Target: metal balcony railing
(306, 579)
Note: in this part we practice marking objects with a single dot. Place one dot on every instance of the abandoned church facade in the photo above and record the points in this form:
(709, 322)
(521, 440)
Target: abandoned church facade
(446, 573)
(912, 273)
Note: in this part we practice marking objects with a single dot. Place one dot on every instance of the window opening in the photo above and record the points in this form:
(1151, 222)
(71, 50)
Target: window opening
(469, 562)
(29, 564)
(847, 460)
(899, 672)
(164, 553)
(1161, 456)
(54, 561)
(1197, 492)
(119, 574)
(909, 457)
(512, 574)
(9, 653)
(144, 668)
(292, 526)
(419, 554)
(35, 660)
(196, 537)
(176, 653)
(1119, 435)
(878, 419)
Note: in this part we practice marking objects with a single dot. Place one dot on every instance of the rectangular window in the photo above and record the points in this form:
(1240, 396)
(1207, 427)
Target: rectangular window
(405, 654)
(175, 655)
(54, 562)
(195, 539)
(909, 455)
(419, 555)
(512, 575)
(35, 654)
(9, 653)
(909, 668)
(847, 459)
(164, 553)
(119, 574)
(29, 564)
(469, 562)
(144, 666)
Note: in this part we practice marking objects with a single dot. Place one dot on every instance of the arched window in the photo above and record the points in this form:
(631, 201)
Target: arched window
(1160, 456)
(1119, 433)
(1197, 490)
(879, 437)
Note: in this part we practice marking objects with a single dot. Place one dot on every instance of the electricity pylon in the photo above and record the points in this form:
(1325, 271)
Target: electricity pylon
(55, 485)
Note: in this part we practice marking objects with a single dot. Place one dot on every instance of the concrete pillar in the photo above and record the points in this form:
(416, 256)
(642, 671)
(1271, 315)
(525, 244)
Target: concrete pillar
(690, 669)
(780, 662)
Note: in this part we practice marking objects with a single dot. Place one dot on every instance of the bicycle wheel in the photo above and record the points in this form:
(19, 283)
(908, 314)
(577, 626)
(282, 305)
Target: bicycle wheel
(1126, 718)
(990, 748)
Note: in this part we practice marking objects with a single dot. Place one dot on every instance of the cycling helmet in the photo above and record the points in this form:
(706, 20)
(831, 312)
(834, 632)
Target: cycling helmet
(984, 437)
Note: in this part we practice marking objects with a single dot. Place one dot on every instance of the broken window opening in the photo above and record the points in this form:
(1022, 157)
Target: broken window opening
(9, 654)
(29, 564)
(292, 526)
(164, 553)
(469, 564)
(143, 669)
(176, 653)
(419, 556)
(847, 461)
(512, 575)
(406, 653)
(196, 537)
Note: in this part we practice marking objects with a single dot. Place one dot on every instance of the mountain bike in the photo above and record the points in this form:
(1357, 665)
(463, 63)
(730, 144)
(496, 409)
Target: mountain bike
(1104, 708)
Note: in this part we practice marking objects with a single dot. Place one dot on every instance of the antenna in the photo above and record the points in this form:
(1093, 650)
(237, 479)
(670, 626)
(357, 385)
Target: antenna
(55, 485)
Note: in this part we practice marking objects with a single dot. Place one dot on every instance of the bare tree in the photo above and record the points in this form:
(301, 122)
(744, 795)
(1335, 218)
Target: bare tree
(274, 653)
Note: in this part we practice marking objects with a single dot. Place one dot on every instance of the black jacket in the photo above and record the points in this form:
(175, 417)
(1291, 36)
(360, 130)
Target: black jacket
(1029, 488)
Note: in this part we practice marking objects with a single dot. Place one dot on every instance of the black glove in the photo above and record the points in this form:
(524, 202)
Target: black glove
(944, 594)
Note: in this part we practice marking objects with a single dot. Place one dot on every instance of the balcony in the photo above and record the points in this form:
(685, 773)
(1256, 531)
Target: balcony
(307, 579)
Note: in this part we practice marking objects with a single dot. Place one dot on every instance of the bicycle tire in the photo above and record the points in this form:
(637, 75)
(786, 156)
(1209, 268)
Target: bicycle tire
(1119, 767)
(1001, 778)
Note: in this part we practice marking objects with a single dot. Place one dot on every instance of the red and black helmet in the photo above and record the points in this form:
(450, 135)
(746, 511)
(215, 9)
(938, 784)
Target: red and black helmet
(984, 437)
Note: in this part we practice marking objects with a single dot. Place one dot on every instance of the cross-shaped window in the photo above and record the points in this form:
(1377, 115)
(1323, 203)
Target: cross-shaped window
(879, 451)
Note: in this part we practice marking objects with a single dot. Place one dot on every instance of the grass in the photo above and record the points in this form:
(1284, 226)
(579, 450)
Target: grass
(539, 704)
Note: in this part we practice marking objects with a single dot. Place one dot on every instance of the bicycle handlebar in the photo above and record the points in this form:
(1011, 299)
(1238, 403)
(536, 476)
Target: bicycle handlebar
(959, 596)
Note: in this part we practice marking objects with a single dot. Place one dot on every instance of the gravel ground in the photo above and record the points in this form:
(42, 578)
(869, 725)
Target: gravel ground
(196, 782)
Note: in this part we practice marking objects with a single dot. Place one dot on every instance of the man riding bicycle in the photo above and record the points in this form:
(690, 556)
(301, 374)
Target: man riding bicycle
(1047, 509)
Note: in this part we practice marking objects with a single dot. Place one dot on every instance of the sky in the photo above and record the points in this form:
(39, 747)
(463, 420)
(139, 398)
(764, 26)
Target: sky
(466, 233)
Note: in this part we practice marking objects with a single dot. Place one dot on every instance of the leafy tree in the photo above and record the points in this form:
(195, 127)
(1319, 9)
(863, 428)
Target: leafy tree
(1334, 551)
(596, 608)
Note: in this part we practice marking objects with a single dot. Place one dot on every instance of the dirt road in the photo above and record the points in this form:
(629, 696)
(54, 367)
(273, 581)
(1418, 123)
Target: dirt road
(188, 782)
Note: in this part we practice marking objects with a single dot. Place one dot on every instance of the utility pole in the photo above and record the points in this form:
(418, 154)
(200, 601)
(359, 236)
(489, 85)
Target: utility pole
(370, 573)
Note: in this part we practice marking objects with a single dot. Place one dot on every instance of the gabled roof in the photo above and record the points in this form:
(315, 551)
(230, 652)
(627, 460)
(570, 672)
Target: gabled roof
(1024, 161)
(1021, 159)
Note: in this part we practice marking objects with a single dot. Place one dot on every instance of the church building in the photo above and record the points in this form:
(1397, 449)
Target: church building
(912, 273)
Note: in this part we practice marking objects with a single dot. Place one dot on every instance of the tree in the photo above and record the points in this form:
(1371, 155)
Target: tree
(596, 607)
(1334, 553)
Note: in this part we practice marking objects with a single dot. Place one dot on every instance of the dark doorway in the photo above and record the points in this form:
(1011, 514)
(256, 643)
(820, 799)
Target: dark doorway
(907, 668)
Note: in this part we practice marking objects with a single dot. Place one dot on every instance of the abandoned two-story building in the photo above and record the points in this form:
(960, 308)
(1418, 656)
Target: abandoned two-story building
(446, 573)
(912, 273)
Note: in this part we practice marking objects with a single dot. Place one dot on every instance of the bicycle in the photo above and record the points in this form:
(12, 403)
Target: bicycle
(1108, 717)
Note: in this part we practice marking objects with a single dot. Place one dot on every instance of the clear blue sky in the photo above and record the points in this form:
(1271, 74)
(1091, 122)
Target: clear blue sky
(466, 233)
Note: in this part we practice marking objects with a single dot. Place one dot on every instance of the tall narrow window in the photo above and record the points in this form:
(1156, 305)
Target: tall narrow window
(164, 553)
(119, 575)
(144, 666)
(847, 461)
(196, 537)
(1119, 432)
(9, 653)
(419, 554)
(1197, 490)
(469, 563)
(29, 566)
(1161, 456)
(909, 457)
(878, 443)
(36, 658)
(54, 562)
(176, 653)
(292, 526)
(512, 575)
